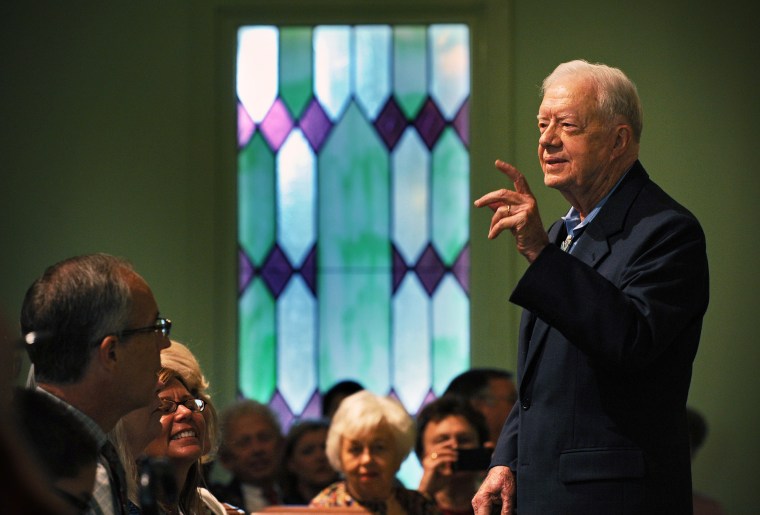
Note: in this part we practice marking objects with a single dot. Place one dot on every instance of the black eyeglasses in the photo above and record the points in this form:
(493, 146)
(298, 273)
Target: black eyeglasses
(168, 406)
(163, 325)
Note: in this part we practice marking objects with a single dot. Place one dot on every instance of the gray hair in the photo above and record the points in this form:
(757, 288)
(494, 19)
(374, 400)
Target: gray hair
(73, 305)
(363, 413)
(616, 94)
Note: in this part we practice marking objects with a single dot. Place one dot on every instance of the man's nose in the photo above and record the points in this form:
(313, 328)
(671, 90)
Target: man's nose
(550, 137)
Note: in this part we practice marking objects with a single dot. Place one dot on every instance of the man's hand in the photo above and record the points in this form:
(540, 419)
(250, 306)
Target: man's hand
(498, 485)
(516, 210)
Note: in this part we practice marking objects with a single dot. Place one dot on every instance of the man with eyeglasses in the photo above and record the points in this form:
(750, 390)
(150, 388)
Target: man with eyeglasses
(94, 336)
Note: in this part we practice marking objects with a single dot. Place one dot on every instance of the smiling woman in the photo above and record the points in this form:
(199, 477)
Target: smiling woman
(179, 429)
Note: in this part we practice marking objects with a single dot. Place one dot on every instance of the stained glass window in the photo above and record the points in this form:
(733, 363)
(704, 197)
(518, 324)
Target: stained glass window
(353, 211)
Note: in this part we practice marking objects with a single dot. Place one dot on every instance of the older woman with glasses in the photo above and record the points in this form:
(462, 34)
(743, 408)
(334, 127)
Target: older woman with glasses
(369, 438)
(173, 436)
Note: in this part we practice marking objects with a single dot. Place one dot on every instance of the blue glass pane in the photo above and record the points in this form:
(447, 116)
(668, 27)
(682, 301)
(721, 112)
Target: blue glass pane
(296, 197)
(451, 333)
(411, 193)
(450, 49)
(411, 343)
(256, 188)
(257, 69)
(297, 344)
(372, 72)
(451, 191)
(410, 68)
(332, 68)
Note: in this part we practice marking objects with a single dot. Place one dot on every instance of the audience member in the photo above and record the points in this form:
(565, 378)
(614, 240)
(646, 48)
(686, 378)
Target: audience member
(94, 334)
(491, 391)
(180, 429)
(251, 451)
(305, 467)
(703, 504)
(335, 395)
(444, 427)
(58, 443)
(369, 438)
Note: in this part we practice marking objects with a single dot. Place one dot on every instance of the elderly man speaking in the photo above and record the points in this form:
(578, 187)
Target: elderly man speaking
(613, 301)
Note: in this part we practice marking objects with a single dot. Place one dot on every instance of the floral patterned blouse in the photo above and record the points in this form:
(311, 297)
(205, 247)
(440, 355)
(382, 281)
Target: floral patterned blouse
(336, 495)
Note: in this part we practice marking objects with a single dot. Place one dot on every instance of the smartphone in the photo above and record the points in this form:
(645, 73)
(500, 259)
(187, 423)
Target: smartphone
(473, 459)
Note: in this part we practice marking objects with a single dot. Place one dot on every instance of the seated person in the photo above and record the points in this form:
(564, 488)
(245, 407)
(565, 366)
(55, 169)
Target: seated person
(491, 391)
(444, 427)
(63, 450)
(251, 450)
(173, 436)
(305, 467)
(369, 438)
(335, 395)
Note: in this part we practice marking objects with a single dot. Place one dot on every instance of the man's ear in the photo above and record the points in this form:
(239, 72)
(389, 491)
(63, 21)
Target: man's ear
(623, 139)
(106, 352)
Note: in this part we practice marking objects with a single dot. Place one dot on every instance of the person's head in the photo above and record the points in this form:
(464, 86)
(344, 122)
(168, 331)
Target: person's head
(304, 456)
(336, 393)
(590, 123)
(369, 438)
(60, 445)
(251, 444)
(93, 317)
(491, 391)
(449, 421)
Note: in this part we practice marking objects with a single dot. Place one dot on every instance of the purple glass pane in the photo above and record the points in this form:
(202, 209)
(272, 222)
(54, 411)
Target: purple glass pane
(430, 269)
(315, 125)
(246, 270)
(309, 270)
(390, 123)
(429, 123)
(246, 127)
(276, 125)
(399, 269)
(313, 408)
(462, 123)
(276, 271)
(281, 408)
(461, 269)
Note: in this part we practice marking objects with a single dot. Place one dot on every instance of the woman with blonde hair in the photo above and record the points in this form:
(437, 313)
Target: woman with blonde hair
(180, 430)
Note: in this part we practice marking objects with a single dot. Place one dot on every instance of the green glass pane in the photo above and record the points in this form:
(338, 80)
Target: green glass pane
(256, 211)
(451, 191)
(296, 68)
(354, 255)
(411, 194)
(451, 333)
(256, 366)
(410, 68)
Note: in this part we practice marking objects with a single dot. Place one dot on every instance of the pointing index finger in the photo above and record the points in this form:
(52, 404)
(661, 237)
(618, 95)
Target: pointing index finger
(521, 185)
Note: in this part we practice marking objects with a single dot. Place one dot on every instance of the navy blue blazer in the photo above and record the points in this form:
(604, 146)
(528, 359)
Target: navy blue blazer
(607, 340)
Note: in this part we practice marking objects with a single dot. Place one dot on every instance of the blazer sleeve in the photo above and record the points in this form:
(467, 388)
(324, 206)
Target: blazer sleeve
(628, 308)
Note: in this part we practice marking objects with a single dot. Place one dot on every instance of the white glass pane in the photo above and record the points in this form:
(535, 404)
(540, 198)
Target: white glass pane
(296, 346)
(296, 191)
(257, 69)
(372, 73)
(411, 343)
(332, 68)
(450, 50)
(411, 210)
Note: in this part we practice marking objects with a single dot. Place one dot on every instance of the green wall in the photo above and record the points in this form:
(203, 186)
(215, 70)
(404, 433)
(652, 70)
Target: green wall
(113, 139)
